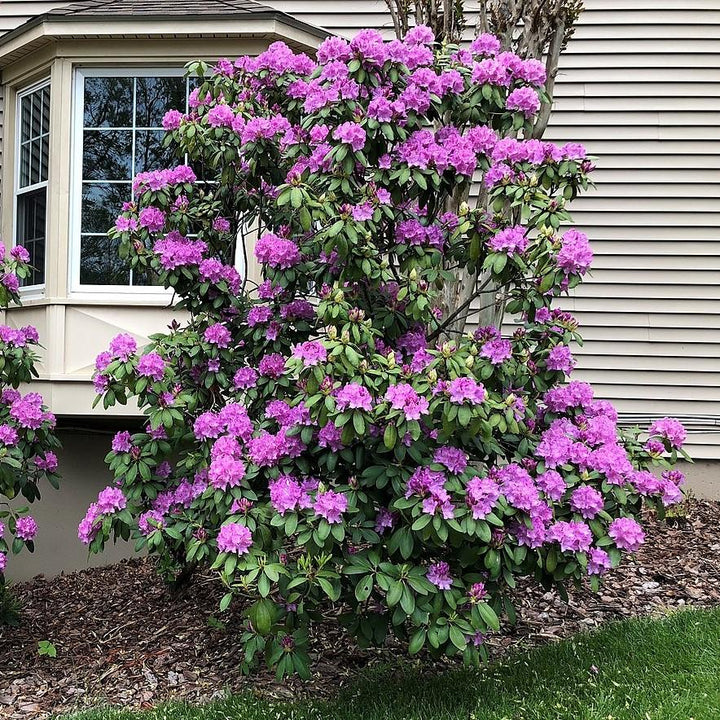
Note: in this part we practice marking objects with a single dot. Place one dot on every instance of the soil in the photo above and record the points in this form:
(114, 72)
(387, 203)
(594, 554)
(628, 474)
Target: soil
(122, 639)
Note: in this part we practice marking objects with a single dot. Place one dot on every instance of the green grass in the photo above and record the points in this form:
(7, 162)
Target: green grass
(666, 669)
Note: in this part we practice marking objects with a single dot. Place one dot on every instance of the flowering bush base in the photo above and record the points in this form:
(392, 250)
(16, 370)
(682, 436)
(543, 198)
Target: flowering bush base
(27, 440)
(319, 437)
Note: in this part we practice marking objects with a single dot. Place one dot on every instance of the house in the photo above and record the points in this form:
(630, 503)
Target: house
(85, 84)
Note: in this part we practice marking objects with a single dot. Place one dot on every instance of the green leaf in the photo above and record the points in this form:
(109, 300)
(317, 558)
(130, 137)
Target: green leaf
(457, 638)
(390, 437)
(364, 588)
(417, 641)
(489, 616)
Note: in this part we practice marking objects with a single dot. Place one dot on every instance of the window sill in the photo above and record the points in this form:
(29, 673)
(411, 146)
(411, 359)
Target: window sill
(158, 300)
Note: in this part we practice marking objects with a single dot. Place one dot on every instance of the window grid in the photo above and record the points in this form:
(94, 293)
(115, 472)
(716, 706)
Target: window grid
(31, 176)
(134, 129)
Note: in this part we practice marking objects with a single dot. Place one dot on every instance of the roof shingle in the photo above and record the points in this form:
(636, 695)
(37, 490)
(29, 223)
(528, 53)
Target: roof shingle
(163, 8)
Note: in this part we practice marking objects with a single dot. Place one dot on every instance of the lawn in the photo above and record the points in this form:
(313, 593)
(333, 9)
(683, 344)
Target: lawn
(666, 669)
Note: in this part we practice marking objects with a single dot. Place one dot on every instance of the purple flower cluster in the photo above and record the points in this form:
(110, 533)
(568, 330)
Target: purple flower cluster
(234, 538)
(430, 485)
(466, 389)
(277, 252)
(404, 397)
(353, 397)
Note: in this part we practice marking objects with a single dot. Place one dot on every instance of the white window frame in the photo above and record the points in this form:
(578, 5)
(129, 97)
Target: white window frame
(153, 294)
(37, 290)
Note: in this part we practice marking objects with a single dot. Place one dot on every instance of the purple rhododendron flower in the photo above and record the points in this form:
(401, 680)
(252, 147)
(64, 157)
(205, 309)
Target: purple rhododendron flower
(454, 459)
(217, 335)
(111, 500)
(439, 575)
(669, 429)
(466, 389)
(152, 366)
(277, 252)
(330, 505)
(354, 397)
(587, 501)
(572, 536)
(123, 346)
(26, 528)
(524, 99)
(311, 352)
(234, 538)
(627, 533)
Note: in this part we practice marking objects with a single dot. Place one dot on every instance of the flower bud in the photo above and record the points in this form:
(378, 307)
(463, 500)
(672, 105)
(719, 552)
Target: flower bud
(332, 332)
(339, 296)
(469, 361)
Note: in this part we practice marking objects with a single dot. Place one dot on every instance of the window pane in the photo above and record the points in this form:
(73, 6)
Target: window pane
(100, 263)
(45, 100)
(31, 225)
(101, 204)
(150, 153)
(107, 155)
(108, 102)
(34, 137)
(157, 95)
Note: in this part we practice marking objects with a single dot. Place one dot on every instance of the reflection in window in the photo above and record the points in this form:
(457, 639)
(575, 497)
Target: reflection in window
(121, 137)
(32, 177)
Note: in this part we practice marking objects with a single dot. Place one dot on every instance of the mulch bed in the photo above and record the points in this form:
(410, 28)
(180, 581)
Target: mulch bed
(120, 638)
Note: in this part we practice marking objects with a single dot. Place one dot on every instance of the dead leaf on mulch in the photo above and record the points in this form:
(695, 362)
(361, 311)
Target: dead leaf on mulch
(121, 639)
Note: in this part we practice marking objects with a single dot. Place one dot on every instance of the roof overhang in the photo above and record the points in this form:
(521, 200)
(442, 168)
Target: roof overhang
(46, 29)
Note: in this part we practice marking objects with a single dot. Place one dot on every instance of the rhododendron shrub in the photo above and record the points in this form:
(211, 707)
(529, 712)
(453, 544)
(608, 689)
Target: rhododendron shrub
(27, 440)
(315, 436)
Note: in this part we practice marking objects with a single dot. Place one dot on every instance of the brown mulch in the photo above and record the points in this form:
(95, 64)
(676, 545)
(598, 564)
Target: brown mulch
(121, 639)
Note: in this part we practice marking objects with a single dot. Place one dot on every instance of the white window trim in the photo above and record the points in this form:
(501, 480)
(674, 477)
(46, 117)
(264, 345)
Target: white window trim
(153, 294)
(38, 290)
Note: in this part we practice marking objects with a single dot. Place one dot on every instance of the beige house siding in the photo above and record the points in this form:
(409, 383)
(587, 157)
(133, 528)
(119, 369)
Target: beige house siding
(640, 86)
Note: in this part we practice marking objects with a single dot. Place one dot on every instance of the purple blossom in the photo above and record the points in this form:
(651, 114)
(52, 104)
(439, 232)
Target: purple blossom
(454, 459)
(330, 505)
(598, 561)
(217, 335)
(272, 365)
(627, 533)
(511, 240)
(466, 389)
(525, 100)
(669, 429)
(575, 255)
(111, 500)
(404, 397)
(152, 366)
(561, 359)
(482, 495)
(439, 575)
(587, 501)
(122, 442)
(311, 352)
(354, 397)
(234, 538)
(123, 346)
(277, 252)
(573, 536)
(496, 351)
(352, 134)
(26, 528)
(330, 436)
(245, 378)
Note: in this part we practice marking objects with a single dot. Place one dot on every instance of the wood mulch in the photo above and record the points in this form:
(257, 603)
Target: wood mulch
(121, 639)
